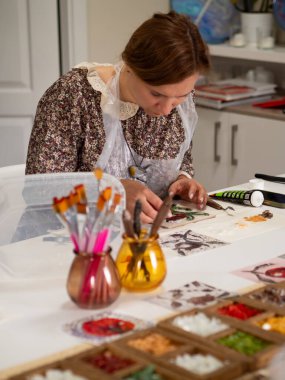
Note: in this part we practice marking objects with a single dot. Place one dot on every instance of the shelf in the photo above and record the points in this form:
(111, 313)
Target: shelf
(248, 109)
(275, 55)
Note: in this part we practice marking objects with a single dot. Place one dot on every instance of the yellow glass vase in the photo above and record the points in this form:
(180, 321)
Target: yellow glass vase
(141, 263)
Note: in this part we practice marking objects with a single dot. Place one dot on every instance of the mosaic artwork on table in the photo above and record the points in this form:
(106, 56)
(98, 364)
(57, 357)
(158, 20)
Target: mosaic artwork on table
(189, 296)
(187, 242)
(183, 213)
(269, 271)
(105, 327)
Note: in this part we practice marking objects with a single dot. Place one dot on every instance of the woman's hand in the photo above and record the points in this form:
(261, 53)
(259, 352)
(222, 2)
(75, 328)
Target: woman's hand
(150, 202)
(190, 190)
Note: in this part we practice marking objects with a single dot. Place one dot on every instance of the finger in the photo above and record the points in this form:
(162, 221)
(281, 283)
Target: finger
(201, 195)
(148, 210)
(130, 206)
(192, 191)
(202, 198)
(146, 219)
(175, 187)
(205, 197)
(153, 199)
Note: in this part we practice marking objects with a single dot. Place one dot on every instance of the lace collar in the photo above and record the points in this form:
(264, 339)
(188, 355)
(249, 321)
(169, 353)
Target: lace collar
(126, 109)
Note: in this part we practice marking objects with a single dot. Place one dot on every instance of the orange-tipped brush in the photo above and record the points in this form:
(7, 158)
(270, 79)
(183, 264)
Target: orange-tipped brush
(98, 173)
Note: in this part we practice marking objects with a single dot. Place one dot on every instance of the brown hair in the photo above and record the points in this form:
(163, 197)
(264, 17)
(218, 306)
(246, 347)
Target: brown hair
(166, 49)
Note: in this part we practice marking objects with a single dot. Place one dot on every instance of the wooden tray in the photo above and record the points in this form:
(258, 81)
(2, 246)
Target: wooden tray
(232, 367)
(165, 373)
(249, 298)
(79, 366)
(255, 361)
(91, 371)
(252, 325)
(213, 309)
(249, 324)
(259, 374)
(123, 343)
(42, 370)
(168, 325)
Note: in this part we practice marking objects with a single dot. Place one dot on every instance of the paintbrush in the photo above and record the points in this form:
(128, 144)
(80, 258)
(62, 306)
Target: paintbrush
(98, 173)
(67, 214)
(128, 224)
(104, 234)
(137, 217)
(162, 214)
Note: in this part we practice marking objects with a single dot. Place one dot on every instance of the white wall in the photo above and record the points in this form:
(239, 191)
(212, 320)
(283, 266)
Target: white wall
(111, 23)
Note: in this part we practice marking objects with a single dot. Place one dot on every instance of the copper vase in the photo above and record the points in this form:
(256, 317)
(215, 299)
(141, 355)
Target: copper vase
(93, 281)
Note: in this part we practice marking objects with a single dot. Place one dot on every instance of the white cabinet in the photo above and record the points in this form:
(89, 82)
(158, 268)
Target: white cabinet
(229, 148)
(211, 148)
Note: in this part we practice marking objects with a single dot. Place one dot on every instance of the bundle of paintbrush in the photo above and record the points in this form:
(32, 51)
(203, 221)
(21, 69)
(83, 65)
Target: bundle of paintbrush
(89, 225)
(133, 225)
(93, 280)
(140, 260)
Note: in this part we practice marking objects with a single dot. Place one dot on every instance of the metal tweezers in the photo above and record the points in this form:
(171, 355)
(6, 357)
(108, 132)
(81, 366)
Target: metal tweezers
(229, 210)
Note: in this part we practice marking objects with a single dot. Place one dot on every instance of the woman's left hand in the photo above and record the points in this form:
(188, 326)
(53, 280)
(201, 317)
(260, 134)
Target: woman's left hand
(189, 190)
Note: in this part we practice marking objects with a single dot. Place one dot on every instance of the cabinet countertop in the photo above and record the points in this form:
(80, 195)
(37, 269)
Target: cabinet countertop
(276, 114)
(248, 109)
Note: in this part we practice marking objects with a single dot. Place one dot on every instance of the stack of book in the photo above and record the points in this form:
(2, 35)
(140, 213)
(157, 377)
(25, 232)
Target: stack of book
(233, 92)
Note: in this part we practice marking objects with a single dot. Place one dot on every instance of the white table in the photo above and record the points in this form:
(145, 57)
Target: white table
(33, 311)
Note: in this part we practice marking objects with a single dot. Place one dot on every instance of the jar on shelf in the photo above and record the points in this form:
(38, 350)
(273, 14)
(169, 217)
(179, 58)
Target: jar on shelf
(93, 281)
(141, 263)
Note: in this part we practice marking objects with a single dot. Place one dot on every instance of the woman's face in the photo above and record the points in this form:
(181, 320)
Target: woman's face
(159, 100)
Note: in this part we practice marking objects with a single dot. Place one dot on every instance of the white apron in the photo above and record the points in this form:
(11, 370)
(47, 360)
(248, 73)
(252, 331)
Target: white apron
(116, 158)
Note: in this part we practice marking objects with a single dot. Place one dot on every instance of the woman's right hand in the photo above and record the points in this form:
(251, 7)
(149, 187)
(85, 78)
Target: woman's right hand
(150, 202)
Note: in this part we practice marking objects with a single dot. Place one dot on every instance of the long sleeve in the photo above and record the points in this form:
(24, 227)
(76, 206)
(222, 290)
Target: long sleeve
(67, 134)
(187, 163)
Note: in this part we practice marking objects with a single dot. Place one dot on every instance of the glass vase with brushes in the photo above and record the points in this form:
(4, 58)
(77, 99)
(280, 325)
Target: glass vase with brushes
(140, 260)
(93, 280)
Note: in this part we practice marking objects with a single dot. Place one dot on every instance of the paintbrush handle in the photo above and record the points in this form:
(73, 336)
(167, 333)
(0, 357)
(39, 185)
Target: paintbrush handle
(270, 178)
(161, 215)
(128, 224)
(137, 217)
(215, 205)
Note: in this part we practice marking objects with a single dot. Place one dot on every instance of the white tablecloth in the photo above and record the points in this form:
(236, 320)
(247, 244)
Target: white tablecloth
(34, 308)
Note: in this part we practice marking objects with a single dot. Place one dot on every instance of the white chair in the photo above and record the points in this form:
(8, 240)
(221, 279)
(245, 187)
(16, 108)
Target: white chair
(12, 171)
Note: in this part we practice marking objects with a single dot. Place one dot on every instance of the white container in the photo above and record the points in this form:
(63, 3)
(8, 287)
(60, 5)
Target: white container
(257, 27)
(33, 242)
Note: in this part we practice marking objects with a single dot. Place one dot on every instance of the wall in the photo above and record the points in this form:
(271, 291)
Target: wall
(111, 22)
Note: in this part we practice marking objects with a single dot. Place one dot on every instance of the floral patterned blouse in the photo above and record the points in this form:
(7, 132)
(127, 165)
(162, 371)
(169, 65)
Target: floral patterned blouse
(68, 133)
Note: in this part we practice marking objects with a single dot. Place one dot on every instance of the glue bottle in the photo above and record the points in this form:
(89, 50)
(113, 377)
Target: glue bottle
(253, 198)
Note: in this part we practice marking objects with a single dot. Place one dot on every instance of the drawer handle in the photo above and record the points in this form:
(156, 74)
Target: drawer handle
(234, 160)
(217, 157)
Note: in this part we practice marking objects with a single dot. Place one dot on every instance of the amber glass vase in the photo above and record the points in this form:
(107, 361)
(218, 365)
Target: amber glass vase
(141, 263)
(93, 281)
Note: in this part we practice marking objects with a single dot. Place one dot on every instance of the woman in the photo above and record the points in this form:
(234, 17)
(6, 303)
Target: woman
(135, 120)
